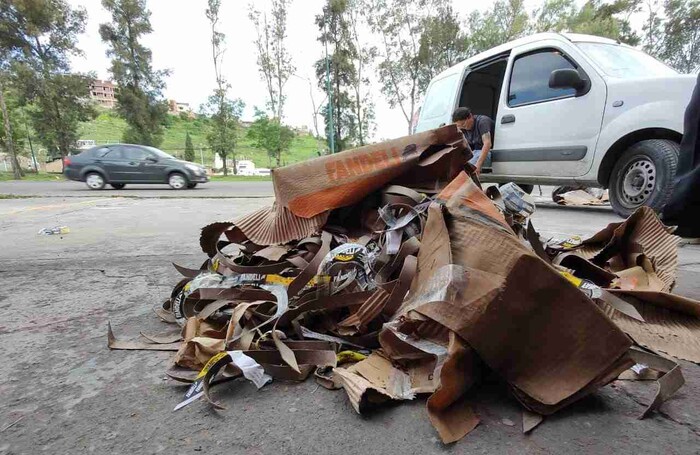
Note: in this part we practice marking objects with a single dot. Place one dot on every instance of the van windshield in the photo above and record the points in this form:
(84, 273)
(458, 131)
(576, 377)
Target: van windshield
(624, 62)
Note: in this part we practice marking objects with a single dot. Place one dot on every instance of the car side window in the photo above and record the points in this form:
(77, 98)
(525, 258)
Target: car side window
(529, 80)
(103, 152)
(135, 153)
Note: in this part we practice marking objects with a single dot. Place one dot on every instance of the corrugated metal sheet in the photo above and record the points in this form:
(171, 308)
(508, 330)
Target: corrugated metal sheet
(659, 245)
(277, 225)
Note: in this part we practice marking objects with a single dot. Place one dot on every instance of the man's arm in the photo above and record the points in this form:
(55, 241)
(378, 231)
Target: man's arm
(486, 139)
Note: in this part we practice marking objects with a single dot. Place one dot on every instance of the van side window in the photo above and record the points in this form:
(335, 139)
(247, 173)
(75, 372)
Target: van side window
(529, 80)
(440, 98)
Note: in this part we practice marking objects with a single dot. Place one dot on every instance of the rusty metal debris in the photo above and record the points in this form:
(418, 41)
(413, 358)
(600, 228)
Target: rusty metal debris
(388, 272)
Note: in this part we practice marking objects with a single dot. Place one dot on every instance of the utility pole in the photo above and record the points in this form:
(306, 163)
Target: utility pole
(331, 136)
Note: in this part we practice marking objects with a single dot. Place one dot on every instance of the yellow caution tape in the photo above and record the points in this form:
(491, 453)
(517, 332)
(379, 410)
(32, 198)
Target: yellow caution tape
(572, 279)
(349, 356)
(210, 363)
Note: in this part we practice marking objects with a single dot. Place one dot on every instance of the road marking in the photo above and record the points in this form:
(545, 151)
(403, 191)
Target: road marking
(50, 207)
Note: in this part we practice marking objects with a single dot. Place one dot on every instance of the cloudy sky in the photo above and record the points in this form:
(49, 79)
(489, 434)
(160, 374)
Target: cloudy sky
(180, 42)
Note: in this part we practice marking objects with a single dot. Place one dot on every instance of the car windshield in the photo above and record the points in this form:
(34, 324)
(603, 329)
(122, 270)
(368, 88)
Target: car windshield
(159, 153)
(624, 62)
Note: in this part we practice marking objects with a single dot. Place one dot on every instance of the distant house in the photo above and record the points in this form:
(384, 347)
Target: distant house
(176, 108)
(104, 93)
(84, 144)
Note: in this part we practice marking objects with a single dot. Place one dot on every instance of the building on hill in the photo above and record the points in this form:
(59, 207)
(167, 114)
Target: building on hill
(104, 93)
(176, 108)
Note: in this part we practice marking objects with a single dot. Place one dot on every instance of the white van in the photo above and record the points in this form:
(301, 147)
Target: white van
(245, 167)
(572, 110)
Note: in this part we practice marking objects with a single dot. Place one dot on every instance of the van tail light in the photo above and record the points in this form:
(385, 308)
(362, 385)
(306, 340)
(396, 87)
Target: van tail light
(66, 161)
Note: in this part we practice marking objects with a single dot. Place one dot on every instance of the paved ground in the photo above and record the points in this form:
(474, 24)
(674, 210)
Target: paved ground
(68, 188)
(63, 391)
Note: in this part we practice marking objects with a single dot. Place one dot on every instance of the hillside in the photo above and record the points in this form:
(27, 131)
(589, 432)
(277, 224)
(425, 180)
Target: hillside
(108, 128)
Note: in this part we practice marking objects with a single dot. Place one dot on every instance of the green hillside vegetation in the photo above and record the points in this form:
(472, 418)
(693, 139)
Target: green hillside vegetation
(108, 128)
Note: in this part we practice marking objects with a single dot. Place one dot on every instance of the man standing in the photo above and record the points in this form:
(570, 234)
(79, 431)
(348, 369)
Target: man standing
(682, 209)
(477, 130)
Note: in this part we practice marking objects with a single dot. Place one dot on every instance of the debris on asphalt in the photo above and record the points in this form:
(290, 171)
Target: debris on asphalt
(386, 271)
(56, 230)
(580, 196)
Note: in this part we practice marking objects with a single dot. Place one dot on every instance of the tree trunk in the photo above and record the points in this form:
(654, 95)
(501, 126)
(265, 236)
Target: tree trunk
(16, 171)
(223, 160)
(278, 157)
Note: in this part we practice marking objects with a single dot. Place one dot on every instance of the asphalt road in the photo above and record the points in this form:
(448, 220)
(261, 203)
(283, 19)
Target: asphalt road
(63, 391)
(68, 188)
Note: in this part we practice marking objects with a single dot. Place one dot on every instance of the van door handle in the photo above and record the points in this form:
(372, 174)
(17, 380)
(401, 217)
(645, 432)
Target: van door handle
(510, 118)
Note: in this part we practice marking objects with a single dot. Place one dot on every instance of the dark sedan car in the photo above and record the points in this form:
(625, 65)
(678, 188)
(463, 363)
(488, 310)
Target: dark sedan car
(119, 164)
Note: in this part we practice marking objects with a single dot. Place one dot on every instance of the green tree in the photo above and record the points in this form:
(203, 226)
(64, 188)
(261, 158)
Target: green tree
(222, 136)
(38, 37)
(56, 118)
(189, 148)
(403, 69)
(505, 21)
(681, 47)
(610, 20)
(345, 102)
(442, 44)
(653, 39)
(273, 58)
(365, 54)
(225, 112)
(553, 16)
(139, 94)
(270, 135)
(8, 133)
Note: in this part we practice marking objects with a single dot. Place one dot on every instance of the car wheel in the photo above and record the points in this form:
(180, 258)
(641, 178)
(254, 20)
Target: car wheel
(94, 181)
(644, 175)
(177, 181)
(117, 186)
(191, 185)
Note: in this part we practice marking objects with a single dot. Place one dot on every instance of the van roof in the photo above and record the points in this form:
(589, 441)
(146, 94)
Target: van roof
(572, 37)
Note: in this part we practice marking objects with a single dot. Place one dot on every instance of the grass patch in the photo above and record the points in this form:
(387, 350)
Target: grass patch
(15, 196)
(32, 177)
(109, 128)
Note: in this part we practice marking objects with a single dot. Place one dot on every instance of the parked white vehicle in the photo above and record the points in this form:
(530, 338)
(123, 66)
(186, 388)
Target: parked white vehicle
(572, 109)
(245, 167)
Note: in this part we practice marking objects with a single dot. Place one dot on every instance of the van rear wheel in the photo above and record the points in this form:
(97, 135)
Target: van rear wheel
(643, 175)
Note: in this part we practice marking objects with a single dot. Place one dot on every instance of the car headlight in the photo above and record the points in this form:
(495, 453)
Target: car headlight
(196, 169)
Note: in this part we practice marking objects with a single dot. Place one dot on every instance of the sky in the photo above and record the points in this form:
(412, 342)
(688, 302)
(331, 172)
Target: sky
(180, 42)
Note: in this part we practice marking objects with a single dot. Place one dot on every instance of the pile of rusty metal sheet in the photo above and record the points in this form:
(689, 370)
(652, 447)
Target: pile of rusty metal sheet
(386, 271)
